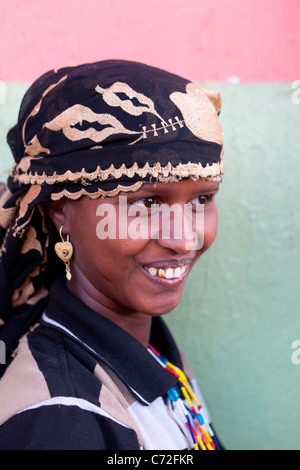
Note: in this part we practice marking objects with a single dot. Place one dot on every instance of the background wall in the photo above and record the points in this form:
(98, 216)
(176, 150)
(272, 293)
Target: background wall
(240, 311)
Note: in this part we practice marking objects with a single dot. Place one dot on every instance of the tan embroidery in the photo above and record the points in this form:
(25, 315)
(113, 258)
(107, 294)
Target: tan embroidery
(25, 163)
(28, 197)
(23, 293)
(42, 212)
(181, 170)
(76, 115)
(69, 119)
(7, 216)
(111, 98)
(31, 242)
(20, 229)
(34, 148)
(165, 128)
(27, 293)
(199, 107)
(166, 178)
(34, 112)
(5, 196)
(96, 194)
(24, 202)
(40, 294)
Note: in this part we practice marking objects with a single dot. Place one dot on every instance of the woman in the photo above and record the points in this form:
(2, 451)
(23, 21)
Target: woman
(108, 207)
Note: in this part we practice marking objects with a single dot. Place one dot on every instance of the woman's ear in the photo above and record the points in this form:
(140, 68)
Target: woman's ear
(56, 212)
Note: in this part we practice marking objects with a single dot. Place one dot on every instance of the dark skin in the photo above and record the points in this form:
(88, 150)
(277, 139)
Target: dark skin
(112, 276)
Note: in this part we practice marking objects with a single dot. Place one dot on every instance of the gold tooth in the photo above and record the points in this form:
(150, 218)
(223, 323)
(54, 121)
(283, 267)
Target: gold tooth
(161, 273)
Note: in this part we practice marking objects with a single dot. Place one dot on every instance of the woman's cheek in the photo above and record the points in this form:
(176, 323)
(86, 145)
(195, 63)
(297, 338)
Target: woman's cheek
(210, 225)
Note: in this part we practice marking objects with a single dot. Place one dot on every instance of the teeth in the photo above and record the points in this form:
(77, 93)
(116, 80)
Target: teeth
(152, 271)
(177, 272)
(183, 269)
(169, 273)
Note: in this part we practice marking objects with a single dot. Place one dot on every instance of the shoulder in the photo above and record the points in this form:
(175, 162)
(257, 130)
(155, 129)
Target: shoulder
(52, 401)
(23, 384)
(65, 423)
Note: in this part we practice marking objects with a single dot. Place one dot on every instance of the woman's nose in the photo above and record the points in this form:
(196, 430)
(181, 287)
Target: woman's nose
(181, 229)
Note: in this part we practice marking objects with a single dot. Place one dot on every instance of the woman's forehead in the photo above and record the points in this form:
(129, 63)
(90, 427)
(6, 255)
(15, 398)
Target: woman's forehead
(183, 185)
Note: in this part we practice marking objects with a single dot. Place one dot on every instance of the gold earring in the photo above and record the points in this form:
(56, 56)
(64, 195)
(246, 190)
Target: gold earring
(64, 251)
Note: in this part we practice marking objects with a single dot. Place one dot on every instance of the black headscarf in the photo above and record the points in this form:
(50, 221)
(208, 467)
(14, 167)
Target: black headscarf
(95, 130)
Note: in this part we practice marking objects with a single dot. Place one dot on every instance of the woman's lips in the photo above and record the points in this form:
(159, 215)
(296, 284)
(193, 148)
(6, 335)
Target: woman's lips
(167, 272)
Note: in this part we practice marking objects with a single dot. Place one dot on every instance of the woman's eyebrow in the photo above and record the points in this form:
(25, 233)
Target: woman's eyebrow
(146, 190)
(154, 190)
(213, 188)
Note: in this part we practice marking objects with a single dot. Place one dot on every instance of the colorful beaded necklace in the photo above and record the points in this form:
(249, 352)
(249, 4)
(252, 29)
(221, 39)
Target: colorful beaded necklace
(185, 407)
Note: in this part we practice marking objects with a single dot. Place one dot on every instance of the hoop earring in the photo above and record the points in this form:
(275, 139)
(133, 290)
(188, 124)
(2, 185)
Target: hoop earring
(64, 251)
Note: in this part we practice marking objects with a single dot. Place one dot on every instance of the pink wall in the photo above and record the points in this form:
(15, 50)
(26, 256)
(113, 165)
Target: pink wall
(256, 40)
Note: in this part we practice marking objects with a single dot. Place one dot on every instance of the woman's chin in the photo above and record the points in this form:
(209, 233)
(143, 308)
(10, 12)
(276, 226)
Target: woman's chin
(163, 308)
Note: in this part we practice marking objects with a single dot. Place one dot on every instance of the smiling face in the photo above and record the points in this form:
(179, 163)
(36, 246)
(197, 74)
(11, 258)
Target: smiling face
(134, 278)
(125, 274)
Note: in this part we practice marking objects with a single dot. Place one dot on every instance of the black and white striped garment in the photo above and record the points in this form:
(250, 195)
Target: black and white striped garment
(78, 381)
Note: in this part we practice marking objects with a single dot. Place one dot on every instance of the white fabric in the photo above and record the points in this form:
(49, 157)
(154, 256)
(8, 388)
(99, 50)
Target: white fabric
(152, 420)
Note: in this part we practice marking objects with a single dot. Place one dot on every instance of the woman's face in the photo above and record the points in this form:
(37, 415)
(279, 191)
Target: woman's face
(124, 268)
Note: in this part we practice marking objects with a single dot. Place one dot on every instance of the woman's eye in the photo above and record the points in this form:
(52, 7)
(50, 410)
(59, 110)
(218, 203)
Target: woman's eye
(146, 202)
(202, 200)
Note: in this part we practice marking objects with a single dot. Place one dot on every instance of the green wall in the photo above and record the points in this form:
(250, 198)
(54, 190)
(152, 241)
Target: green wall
(240, 311)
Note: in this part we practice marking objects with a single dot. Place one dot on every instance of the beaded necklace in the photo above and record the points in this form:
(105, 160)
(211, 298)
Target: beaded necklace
(185, 407)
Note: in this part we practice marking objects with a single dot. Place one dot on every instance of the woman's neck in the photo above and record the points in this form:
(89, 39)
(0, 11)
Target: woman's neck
(137, 324)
